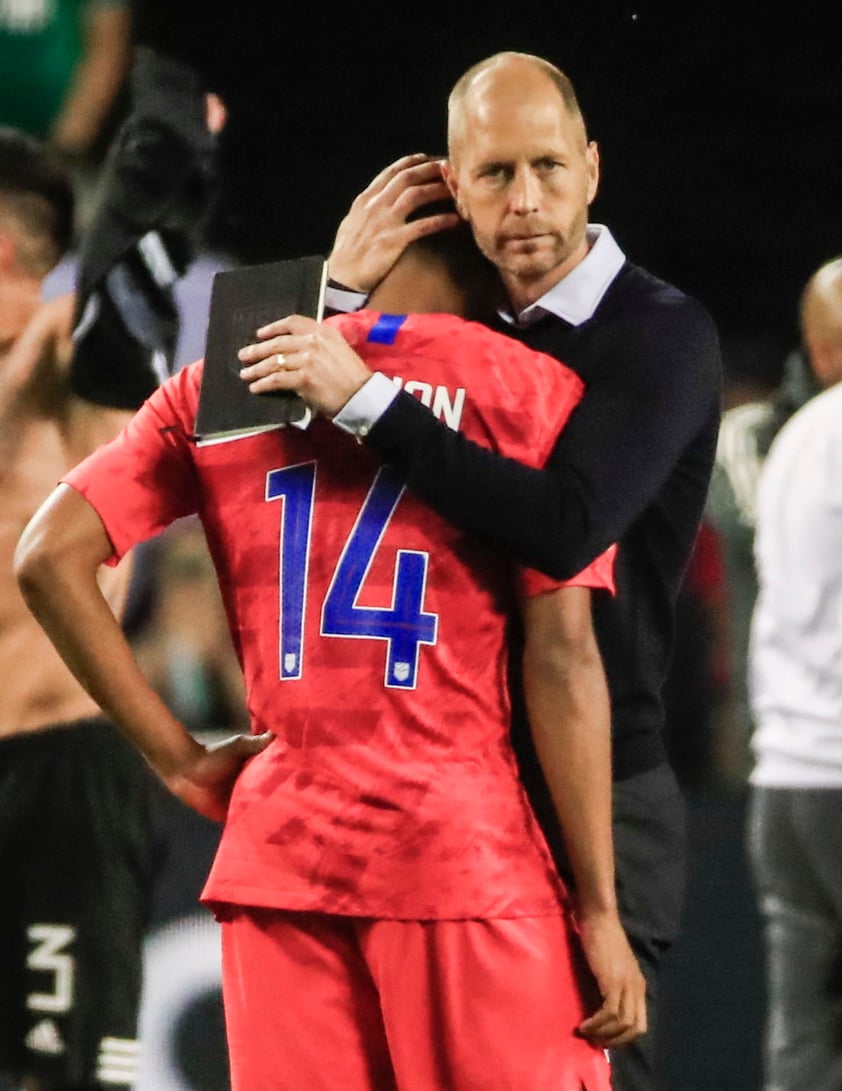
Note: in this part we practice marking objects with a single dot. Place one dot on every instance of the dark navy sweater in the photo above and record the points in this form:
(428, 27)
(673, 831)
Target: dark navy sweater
(632, 467)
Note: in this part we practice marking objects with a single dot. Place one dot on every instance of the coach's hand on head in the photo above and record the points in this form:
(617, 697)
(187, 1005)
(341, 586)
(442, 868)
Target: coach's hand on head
(375, 232)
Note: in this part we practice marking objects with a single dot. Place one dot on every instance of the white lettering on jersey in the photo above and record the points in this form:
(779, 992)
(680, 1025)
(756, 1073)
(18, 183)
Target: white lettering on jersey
(446, 405)
(48, 956)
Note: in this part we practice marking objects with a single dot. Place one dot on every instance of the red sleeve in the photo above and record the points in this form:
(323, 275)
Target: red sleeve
(144, 479)
(599, 575)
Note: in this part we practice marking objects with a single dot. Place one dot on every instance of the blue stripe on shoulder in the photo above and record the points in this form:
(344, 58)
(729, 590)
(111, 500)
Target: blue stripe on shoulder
(385, 329)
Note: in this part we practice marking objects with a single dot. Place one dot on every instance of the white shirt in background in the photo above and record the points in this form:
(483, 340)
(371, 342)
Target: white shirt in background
(795, 651)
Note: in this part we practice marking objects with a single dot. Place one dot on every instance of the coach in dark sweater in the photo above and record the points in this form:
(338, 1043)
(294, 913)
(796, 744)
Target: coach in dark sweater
(632, 465)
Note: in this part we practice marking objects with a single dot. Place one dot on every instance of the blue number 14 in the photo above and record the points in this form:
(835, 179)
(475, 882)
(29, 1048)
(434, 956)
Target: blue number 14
(403, 625)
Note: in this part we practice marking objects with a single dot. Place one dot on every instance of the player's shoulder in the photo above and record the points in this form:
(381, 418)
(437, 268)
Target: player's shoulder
(178, 397)
(384, 328)
(492, 365)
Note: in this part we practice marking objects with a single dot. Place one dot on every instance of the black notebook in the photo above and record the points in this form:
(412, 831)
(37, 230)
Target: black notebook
(243, 299)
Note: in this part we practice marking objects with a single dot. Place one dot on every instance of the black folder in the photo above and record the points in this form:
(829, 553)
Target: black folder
(243, 299)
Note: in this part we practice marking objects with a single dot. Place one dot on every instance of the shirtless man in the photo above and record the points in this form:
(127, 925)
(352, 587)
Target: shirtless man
(76, 803)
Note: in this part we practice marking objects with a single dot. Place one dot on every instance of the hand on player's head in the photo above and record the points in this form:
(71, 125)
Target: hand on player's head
(379, 224)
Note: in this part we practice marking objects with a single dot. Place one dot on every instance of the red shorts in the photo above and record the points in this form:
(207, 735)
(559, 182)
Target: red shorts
(316, 1003)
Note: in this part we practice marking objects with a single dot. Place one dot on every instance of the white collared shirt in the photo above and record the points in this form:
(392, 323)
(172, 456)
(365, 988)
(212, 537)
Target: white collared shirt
(574, 298)
(795, 651)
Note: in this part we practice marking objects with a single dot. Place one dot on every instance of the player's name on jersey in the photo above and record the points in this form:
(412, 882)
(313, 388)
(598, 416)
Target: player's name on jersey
(243, 299)
(446, 404)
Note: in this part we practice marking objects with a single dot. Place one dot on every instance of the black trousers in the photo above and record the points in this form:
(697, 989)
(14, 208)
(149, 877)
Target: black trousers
(651, 856)
(651, 866)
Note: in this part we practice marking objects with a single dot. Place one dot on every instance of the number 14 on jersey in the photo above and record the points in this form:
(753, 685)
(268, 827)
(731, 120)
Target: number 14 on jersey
(403, 625)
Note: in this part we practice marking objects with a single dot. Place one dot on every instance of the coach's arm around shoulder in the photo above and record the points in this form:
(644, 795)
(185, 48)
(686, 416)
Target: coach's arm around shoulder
(57, 562)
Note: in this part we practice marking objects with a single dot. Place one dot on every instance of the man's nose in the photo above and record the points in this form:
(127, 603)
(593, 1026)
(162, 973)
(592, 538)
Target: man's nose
(525, 191)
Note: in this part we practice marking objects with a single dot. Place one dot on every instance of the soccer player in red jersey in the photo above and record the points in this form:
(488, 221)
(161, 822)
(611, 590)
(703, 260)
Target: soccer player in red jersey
(391, 916)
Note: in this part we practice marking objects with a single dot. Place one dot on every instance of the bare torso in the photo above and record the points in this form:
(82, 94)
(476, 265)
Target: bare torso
(44, 431)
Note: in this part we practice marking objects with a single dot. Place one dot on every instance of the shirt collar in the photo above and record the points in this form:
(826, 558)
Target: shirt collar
(577, 295)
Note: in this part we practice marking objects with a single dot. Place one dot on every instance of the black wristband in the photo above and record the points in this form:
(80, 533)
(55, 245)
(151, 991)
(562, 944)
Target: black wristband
(331, 283)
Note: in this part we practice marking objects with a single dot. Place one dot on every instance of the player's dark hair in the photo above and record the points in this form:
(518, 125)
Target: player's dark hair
(35, 183)
(455, 246)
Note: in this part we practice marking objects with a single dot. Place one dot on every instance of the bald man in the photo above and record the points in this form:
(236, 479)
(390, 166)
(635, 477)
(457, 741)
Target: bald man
(821, 322)
(632, 466)
(795, 675)
(745, 437)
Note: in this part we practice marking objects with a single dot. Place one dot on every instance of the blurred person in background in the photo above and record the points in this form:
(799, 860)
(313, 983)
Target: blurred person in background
(64, 66)
(795, 692)
(183, 645)
(77, 834)
(746, 434)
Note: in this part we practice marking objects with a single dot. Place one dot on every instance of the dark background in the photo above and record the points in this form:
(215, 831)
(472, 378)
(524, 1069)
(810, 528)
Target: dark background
(719, 127)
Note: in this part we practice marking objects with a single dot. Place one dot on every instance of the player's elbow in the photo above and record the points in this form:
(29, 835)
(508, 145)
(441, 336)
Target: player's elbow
(61, 549)
(50, 550)
(558, 629)
(561, 658)
(36, 562)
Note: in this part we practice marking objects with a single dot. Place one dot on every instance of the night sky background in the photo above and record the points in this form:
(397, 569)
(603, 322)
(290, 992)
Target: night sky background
(720, 128)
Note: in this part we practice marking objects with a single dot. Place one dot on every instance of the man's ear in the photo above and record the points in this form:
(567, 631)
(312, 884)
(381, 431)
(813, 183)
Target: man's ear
(449, 175)
(592, 161)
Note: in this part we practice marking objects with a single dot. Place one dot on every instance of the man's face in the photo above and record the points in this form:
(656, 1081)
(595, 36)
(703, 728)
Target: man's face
(523, 175)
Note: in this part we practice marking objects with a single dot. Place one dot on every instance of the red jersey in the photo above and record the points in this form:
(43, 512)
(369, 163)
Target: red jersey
(371, 633)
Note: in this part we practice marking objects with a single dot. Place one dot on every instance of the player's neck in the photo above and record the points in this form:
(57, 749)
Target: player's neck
(410, 288)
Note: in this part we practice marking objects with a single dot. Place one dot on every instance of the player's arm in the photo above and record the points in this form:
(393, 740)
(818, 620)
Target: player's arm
(158, 184)
(56, 564)
(569, 715)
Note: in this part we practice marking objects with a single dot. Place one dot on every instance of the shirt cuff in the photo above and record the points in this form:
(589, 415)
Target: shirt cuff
(344, 300)
(365, 408)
